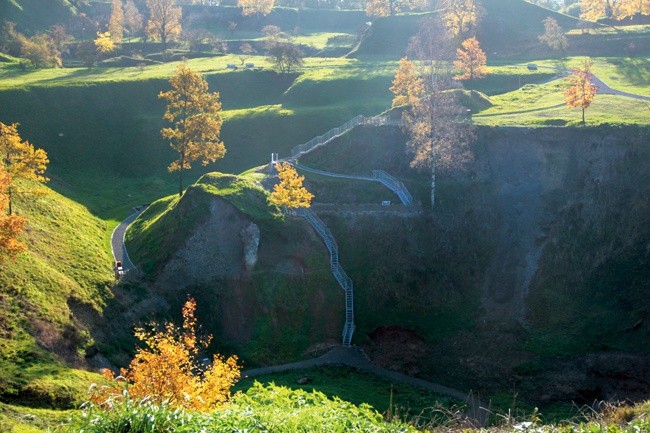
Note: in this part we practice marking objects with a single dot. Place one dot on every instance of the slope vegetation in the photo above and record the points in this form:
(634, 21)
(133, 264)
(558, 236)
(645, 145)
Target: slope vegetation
(45, 296)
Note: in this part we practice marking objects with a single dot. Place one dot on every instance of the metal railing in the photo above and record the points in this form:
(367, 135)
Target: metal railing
(339, 274)
(394, 185)
(382, 119)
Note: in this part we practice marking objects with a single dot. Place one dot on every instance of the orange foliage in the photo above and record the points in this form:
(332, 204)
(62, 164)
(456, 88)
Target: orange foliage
(581, 92)
(290, 192)
(461, 16)
(384, 8)
(195, 114)
(613, 9)
(167, 369)
(407, 86)
(10, 225)
(470, 60)
(251, 7)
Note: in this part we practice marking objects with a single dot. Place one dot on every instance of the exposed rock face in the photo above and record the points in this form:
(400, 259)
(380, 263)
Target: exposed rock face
(223, 248)
(250, 236)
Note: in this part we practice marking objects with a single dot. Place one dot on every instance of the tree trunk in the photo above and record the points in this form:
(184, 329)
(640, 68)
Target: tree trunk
(180, 175)
(583, 115)
(9, 197)
(433, 184)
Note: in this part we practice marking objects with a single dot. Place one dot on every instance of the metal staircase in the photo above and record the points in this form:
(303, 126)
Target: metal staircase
(339, 274)
(394, 185)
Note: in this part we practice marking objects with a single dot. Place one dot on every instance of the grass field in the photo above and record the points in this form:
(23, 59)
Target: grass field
(544, 105)
(358, 388)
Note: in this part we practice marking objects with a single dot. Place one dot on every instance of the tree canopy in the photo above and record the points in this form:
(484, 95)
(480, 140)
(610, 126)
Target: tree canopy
(196, 120)
(251, 7)
(461, 16)
(20, 159)
(10, 225)
(164, 22)
(116, 22)
(581, 91)
(470, 60)
(553, 35)
(613, 9)
(168, 370)
(407, 86)
(290, 192)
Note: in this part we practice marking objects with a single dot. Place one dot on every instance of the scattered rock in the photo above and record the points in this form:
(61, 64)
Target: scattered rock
(303, 380)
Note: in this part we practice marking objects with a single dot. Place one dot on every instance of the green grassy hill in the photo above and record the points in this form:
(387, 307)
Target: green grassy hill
(36, 15)
(48, 296)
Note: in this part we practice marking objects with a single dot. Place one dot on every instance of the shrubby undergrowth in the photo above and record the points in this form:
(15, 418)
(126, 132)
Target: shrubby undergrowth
(261, 409)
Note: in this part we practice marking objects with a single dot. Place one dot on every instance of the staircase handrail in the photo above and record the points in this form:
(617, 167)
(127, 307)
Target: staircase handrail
(339, 274)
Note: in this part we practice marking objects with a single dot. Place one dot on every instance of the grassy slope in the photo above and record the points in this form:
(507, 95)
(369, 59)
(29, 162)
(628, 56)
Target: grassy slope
(65, 266)
(284, 314)
(36, 15)
(357, 388)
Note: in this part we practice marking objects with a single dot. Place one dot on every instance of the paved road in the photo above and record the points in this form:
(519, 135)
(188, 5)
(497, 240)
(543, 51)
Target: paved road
(356, 358)
(117, 241)
(604, 89)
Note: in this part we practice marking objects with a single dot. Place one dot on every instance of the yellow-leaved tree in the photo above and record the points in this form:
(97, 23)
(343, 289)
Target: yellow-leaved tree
(407, 86)
(116, 21)
(10, 225)
(461, 16)
(290, 192)
(195, 115)
(384, 8)
(104, 43)
(20, 160)
(168, 370)
(251, 7)
(581, 91)
(470, 61)
(613, 9)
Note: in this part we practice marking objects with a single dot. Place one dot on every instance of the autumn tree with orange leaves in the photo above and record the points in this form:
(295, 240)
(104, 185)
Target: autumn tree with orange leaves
(168, 369)
(461, 16)
(20, 160)
(251, 7)
(437, 124)
(10, 225)
(164, 23)
(407, 86)
(290, 192)
(195, 115)
(613, 9)
(384, 8)
(581, 91)
(470, 61)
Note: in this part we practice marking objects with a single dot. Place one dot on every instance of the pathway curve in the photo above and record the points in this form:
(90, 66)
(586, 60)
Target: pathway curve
(117, 240)
(377, 176)
(356, 358)
(603, 88)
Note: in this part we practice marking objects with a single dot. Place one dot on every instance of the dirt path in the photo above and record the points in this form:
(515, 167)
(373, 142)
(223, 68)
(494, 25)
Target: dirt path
(356, 358)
